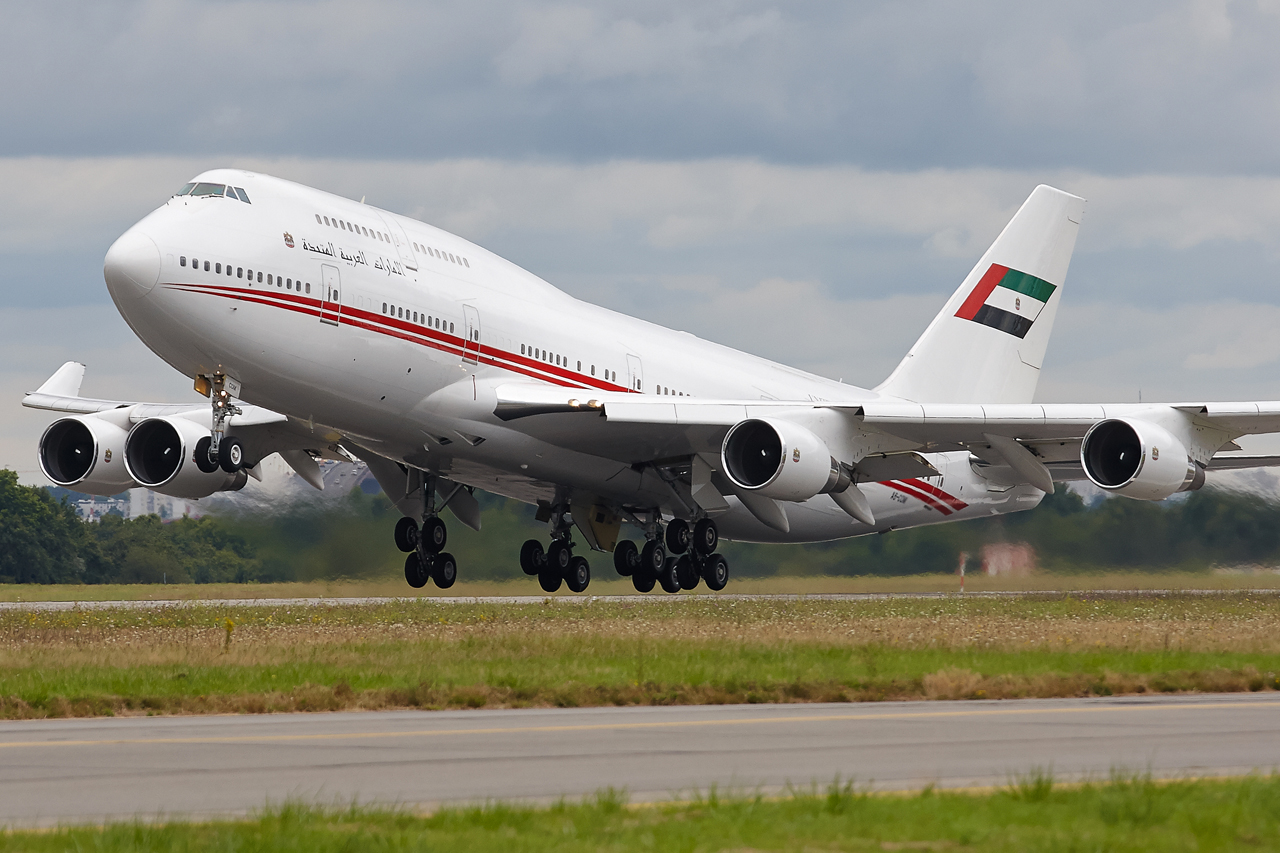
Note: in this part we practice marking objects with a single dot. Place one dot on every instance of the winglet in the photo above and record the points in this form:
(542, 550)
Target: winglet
(65, 382)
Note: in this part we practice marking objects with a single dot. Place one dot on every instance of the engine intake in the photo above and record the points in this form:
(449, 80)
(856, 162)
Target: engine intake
(780, 460)
(85, 452)
(1138, 459)
(160, 454)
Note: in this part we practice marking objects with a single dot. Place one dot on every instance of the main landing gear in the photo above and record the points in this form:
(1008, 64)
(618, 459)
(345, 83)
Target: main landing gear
(557, 563)
(695, 558)
(426, 559)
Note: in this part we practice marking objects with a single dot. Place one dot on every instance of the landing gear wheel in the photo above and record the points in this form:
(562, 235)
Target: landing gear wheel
(433, 535)
(549, 579)
(444, 570)
(231, 455)
(687, 572)
(579, 575)
(532, 557)
(669, 577)
(626, 557)
(643, 580)
(202, 460)
(705, 537)
(413, 571)
(715, 571)
(558, 557)
(679, 536)
(407, 534)
(653, 558)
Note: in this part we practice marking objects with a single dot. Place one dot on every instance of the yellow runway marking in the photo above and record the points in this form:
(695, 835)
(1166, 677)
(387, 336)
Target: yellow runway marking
(667, 724)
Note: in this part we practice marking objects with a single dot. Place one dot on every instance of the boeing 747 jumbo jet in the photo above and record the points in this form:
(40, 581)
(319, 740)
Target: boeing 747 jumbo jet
(323, 328)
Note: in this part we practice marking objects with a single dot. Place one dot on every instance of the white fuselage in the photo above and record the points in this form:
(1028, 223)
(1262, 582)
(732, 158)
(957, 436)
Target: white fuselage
(425, 325)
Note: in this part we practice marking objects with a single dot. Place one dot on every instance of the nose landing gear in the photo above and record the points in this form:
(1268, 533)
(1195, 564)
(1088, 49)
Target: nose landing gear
(220, 450)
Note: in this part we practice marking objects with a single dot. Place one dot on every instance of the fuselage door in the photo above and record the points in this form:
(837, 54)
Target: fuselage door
(330, 294)
(471, 346)
(403, 247)
(635, 372)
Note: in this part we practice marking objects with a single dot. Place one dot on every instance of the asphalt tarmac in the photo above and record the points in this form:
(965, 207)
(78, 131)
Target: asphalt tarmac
(57, 771)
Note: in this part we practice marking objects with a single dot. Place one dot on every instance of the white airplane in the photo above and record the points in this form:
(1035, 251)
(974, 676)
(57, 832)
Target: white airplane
(320, 327)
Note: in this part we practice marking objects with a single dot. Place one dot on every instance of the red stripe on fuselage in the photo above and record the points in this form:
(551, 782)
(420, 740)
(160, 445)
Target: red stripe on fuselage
(978, 297)
(907, 490)
(405, 330)
(951, 501)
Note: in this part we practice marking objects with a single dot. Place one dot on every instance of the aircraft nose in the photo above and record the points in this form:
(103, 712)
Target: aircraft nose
(132, 265)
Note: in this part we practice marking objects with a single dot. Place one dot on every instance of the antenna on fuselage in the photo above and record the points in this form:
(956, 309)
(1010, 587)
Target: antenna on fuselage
(362, 199)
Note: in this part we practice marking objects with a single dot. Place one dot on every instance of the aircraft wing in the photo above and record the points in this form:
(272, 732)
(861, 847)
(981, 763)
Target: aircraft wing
(639, 428)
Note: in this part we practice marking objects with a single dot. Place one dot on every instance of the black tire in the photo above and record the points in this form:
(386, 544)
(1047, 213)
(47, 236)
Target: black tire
(653, 557)
(715, 571)
(433, 535)
(643, 581)
(413, 572)
(550, 579)
(579, 575)
(558, 557)
(201, 456)
(679, 536)
(705, 537)
(532, 557)
(669, 577)
(231, 455)
(444, 570)
(626, 557)
(407, 534)
(687, 572)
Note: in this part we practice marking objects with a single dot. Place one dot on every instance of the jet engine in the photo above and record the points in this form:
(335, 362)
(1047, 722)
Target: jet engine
(1138, 459)
(161, 454)
(86, 453)
(780, 460)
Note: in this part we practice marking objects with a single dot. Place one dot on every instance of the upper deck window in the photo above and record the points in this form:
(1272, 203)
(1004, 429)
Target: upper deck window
(208, 189)
(185, 189)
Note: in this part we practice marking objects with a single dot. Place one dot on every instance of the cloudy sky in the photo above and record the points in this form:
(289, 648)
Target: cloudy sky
(805, 180)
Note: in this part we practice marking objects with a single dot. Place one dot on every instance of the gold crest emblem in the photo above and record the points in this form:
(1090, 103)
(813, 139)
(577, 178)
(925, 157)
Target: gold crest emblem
(795, 455)
(1155, 453)
(288, 239)
(106, 457)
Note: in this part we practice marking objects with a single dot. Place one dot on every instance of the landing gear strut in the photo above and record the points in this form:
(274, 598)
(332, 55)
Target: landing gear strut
(426, 559)
(678, 559)
(219, 450)
(557, 564)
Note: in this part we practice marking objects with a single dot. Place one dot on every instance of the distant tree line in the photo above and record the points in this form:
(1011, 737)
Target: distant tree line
(42, 540)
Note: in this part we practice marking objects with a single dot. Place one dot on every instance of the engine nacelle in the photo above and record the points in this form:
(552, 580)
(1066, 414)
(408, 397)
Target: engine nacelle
(780, 460)
(161, 455)
(85, 453)
(1138, 459)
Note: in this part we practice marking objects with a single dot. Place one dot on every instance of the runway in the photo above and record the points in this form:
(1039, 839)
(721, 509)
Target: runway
(55, 771)
(614, 599)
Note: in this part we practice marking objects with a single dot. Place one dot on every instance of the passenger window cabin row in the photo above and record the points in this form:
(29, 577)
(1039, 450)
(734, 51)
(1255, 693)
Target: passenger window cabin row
(417, 318)
(444, 256)
(353, 227)
(270, 279)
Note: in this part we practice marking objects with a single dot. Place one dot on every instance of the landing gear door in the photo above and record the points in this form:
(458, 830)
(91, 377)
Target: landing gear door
(330, 295)
(635, 372)
(396, 231)
(471, 345)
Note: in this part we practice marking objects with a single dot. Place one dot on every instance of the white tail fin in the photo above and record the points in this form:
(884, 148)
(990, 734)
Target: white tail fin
(988, 342)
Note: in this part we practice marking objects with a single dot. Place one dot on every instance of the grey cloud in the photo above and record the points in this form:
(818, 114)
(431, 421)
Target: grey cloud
(1136, 87)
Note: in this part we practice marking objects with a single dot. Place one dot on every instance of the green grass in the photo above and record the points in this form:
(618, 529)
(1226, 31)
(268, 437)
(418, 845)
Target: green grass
(1125, 813)
(200, 658)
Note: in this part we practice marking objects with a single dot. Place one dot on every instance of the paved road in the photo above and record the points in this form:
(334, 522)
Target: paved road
(74, 770)
(628, 599)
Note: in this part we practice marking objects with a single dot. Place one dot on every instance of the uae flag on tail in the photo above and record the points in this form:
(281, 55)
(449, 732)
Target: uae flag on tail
(1007, 300)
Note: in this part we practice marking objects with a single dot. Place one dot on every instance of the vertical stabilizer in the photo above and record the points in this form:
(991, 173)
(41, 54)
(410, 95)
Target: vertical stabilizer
(988, 342)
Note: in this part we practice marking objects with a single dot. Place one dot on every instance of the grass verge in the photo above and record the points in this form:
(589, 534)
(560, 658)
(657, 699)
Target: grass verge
(200, 658)
(1124, 813)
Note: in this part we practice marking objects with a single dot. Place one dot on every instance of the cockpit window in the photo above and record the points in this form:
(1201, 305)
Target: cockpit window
(244, 196)
(185, 189)
(208, 189)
